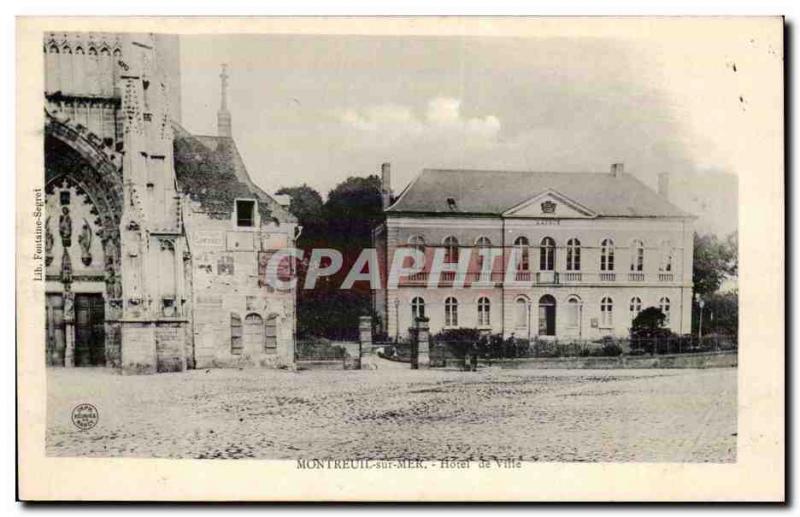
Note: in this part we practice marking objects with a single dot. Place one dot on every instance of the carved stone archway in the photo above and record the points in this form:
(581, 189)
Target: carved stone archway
(71, 154)
(77, 158)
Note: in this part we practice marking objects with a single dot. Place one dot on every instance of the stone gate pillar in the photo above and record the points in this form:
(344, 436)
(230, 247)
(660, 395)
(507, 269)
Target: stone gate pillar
(422, 346)
(364, 341)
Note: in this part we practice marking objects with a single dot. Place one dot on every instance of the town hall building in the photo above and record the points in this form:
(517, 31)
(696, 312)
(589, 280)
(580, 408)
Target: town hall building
(591, 250)
(157, 241)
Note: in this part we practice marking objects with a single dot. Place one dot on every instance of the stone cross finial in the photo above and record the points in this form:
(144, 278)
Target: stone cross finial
(223, 116)
(224, 90)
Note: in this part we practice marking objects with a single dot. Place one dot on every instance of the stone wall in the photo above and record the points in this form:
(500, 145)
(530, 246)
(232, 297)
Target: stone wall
(703, 360)
(170, 347)
(237, 319)
(139, 350)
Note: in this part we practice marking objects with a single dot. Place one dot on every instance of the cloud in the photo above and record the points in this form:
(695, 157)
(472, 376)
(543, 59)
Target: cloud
(442, 122)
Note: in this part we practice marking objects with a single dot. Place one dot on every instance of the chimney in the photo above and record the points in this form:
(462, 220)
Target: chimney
(617, 169)
(283, 199)
(223, 115)
(386, 184)
(663, 185)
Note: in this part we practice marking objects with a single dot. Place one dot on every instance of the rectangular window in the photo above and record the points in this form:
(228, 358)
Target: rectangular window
(225, 265)
(271, 333)
(245, 212)
(236, 334)
(168, 306)
(64, 195)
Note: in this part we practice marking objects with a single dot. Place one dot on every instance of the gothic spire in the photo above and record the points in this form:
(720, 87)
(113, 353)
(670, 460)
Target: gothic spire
(223, 115)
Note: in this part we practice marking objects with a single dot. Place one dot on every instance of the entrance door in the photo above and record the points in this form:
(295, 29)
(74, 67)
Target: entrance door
(54, 324)
(547, 316)
(90, 339)
(254, 336)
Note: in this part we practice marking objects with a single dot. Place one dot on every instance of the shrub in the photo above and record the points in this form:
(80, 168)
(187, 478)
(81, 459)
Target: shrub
(648, 320)
(458, 341)
(611, 349)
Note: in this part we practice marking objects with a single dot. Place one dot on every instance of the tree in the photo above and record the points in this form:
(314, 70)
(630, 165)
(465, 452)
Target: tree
(353, 209)
(306, 204)
(720, 314)
(344, 222)
(647, 329)
(714, 261)
(649, 319)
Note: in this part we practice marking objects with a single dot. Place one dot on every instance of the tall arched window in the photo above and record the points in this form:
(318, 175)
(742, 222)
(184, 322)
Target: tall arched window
(254, 336)
(417, 309)
(482, 243)
(573, 255)
(664, 305)
(636, 307)
(417, 242)
(606, 312)
(666, 257)
(451, 312)
(521, 248)
(607, 255)
(547, 254)
(573, 312)
(484, 308)
(450, 250)
(637, 256)
(521, 313)
(547, 315)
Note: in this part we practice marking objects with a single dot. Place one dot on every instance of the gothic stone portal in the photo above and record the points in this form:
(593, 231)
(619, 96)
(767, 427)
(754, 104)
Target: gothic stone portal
(83, 206)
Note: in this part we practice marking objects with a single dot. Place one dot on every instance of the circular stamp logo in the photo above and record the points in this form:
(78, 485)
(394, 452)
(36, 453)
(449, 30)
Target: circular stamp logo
(85, 416)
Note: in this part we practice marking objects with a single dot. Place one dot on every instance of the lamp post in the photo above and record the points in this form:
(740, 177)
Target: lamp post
(530, 308)
(700, 303)
(397, 320)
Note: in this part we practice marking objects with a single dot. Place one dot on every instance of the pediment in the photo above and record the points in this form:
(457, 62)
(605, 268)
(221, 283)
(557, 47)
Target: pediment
(550, 205)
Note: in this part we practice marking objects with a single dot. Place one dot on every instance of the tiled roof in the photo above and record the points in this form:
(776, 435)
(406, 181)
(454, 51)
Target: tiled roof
(495, 192)
(210, 169)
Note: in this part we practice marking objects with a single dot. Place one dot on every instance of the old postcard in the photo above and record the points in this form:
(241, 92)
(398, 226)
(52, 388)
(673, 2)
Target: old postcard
(400, 259)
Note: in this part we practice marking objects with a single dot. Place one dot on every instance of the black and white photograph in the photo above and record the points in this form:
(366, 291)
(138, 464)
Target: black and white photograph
(385, 251)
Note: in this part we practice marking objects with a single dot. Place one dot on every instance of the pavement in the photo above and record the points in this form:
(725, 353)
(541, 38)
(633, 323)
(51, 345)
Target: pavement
(650, 415)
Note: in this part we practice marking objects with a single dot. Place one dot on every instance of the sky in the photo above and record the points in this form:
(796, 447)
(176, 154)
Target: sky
(316, 109)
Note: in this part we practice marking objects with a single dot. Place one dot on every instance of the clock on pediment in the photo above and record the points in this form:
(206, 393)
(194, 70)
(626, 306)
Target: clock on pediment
(548, 207)
(545, 205)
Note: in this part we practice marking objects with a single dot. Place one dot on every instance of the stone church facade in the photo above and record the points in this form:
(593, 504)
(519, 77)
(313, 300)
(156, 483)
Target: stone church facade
(591, 251)
(157, 240)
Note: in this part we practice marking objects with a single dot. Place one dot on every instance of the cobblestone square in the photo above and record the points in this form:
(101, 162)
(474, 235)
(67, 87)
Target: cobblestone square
(680, 415)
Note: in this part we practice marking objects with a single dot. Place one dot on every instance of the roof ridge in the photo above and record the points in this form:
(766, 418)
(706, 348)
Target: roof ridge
(483, 191)
(506, 171)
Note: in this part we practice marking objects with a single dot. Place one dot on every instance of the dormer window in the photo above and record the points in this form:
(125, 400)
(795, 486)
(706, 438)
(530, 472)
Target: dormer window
(245, 212)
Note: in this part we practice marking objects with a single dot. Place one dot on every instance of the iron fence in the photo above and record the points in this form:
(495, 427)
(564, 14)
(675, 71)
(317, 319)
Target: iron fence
(495, 348)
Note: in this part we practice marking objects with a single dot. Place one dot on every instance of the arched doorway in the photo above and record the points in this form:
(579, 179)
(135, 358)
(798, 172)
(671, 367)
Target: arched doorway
(547, 316)
(254, 335)
(83, 207)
